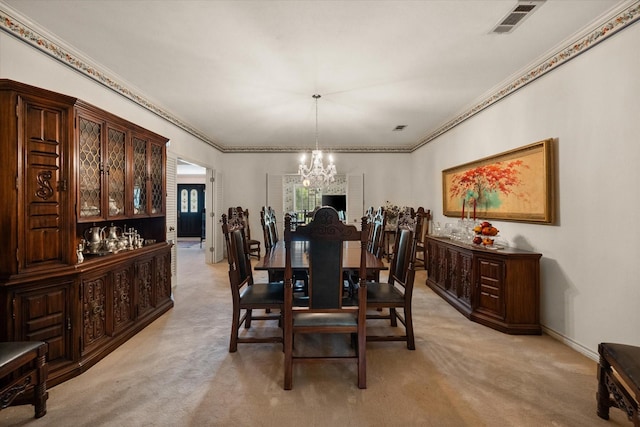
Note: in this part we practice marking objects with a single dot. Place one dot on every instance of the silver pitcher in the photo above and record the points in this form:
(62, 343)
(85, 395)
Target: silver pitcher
(93, 237)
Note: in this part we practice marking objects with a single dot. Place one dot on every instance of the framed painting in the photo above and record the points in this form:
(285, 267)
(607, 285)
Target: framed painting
(517, 185)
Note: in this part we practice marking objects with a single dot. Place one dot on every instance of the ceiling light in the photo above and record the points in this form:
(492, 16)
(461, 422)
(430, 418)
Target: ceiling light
(316, 175)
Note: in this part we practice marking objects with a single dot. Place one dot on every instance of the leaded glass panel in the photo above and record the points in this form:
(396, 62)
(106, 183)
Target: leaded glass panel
(139, 176)
(184, 201)
(90, 167)
(117, 168)
(194, 200)
(156, 179)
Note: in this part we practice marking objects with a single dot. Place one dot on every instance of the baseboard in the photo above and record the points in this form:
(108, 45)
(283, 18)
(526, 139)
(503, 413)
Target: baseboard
(571, 343)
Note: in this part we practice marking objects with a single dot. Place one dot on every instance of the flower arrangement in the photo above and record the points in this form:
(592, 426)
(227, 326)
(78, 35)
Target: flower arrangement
(392, 211)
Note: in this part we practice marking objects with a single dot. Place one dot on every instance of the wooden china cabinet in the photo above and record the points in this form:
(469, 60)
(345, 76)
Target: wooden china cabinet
(497, 288)
(67, 167)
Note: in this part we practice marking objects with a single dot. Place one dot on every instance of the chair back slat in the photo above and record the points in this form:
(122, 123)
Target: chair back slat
(325, 283)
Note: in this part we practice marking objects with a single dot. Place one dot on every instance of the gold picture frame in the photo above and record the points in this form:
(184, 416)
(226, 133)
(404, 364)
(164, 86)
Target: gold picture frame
(517, 185)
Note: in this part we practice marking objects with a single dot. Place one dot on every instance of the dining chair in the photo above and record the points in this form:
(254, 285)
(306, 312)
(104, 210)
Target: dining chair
(253, 246)
(377, 220)
(397, 292)
(270, 230)
(269, 227)
(327, 310)
(422, 233)
(247, 295)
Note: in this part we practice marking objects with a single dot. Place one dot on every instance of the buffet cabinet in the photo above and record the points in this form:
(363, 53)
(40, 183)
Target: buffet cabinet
(67, 167)
(497, 288)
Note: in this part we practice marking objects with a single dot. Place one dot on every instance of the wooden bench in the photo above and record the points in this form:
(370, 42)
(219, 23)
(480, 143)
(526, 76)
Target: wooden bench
(23, 370)
(619, 380)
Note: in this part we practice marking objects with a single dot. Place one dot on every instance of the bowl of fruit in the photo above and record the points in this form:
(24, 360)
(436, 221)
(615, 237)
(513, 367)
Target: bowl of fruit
(485, 234)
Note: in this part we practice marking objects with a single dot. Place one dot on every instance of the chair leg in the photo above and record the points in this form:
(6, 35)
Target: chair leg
(362, 360)
(40, 391)
(235, 324)
(602, 396)
(247, 322)
(408, 324)
(288, 360)
(393, 317)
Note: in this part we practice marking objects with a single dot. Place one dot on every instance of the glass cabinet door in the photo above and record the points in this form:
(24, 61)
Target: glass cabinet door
(116, 169)
(139, 176)
(90, 168)
(157, 178)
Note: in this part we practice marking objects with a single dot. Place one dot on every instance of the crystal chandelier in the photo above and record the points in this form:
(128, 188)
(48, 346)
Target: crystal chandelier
(315, 174)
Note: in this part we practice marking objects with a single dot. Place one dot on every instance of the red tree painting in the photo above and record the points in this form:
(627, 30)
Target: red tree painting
(485, 184)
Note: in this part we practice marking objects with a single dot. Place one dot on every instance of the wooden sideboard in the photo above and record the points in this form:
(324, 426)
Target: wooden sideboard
(497, 288)
(69, 166)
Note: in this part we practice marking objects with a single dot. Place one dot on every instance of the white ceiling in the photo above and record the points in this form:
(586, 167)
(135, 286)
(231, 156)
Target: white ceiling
(242, 73)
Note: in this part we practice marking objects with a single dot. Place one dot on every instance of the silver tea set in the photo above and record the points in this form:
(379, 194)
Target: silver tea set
(111, 239)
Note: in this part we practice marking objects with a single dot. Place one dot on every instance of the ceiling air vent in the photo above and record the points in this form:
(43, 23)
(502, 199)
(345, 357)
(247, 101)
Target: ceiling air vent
(399, 127)
(523, 9)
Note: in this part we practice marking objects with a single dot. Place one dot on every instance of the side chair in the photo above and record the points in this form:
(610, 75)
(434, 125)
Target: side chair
(271, 238)
(247, 295)
(397, 293)
(327, 310)
(253, 246)
(421, 252)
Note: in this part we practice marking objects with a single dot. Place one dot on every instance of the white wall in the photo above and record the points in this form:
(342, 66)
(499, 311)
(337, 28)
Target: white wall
(590, 271)
(386, 177)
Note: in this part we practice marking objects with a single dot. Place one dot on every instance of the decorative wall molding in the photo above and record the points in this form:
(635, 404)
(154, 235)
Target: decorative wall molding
(26, 32)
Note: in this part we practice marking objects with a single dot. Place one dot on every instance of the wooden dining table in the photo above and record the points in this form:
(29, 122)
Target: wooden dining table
(274, 259)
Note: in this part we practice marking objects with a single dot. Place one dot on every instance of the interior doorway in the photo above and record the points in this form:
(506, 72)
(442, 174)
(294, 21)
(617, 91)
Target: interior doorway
(191, 210)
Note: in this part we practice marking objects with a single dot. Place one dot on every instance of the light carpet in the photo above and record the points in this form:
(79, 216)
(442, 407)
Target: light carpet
(178, 372)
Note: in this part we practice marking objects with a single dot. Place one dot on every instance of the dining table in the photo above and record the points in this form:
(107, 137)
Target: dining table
(274, 259)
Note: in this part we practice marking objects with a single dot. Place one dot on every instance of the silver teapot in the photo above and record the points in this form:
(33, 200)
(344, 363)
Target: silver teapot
(112, 238)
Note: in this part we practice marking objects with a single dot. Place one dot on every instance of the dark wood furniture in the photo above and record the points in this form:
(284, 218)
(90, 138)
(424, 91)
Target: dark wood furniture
(397, 293)
(274, 260)
(326, 310)
(247, 295)
(424, 231)
(619, 380)
(69, 166)
(253, 246)
(23, 371)
(497, 288)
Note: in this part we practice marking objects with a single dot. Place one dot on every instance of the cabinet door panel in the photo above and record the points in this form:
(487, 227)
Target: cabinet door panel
(123, 313)
(90, 167)
(163, 278)
(43, 179)
(116, 171)
(463, 291)
(144, 285)
(43, 315)
(490, 297)
(156, 167)
(94, 322)
(139, 176)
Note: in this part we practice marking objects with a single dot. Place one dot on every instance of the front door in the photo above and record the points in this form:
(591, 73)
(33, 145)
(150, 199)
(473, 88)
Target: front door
(191, 210)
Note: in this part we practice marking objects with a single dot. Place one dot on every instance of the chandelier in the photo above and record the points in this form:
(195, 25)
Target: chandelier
(315, 174)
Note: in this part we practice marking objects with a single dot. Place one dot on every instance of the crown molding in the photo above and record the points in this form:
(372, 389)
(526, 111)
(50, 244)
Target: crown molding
(20, 27)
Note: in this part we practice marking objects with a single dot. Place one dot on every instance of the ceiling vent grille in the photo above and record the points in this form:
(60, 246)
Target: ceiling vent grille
(523, 9)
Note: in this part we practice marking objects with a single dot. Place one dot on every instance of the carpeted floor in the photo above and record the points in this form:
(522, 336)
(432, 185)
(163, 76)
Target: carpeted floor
(178, 372)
